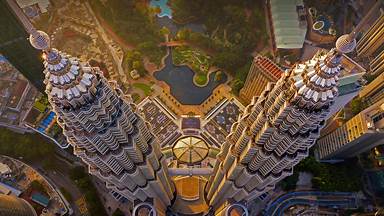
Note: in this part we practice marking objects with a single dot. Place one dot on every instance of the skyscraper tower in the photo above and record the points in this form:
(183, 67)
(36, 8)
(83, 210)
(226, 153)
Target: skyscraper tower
(13, 206)
(277, 129)
(102, 126)
(373, 39)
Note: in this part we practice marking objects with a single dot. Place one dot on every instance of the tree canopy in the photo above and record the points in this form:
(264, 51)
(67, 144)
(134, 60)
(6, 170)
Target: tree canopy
(31, 147)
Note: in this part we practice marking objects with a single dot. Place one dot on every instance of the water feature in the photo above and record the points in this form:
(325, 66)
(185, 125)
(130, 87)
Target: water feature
(163, 5)
(164, 19)
(180, 80)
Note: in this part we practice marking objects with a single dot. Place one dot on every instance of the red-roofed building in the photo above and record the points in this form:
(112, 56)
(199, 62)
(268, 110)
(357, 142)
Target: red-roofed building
(262, 71)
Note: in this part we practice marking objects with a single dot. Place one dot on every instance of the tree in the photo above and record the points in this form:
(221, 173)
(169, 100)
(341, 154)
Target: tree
(237, 85)
(357, 105)
(289, 183)
(156, 10)
(32, 147)
(164, 31)
(183, 34)
(219, 76)
(36, 185)
(138, 65)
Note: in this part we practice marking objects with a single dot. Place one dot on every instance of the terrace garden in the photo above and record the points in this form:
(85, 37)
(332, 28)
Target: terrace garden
(199, 62)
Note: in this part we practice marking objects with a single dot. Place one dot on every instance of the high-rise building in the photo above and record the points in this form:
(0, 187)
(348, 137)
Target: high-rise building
(15, 47)
(104, 130)
(262, 71)
(371, 45)
(13, 206)
(373, 39)
(277, 129)
(374, 91)
(359, 134)
(102, 126)
(377, 64)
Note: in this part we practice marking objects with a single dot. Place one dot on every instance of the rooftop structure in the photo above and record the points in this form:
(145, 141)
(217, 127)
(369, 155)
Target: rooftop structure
(4, 169)
(161, 120)
(16, 96)
(289, 24)
(13, 206)
(190, 150)
(219, 120)
(9, 190)
(33, 8)
(374, 91)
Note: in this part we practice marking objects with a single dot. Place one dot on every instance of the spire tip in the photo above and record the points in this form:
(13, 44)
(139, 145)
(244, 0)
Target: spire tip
(40, 40)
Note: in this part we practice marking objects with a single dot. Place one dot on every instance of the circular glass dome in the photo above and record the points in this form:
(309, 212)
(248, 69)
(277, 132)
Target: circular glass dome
(190, 150)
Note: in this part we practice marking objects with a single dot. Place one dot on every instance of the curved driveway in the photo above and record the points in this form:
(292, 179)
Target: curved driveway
(311, 198)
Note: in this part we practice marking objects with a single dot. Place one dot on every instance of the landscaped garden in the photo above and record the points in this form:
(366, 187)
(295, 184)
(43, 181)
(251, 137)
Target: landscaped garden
(200, 79)
(234, 30)
(344, 176)
(199, 62)
(194, 58)
(135, 23)
(143, 87)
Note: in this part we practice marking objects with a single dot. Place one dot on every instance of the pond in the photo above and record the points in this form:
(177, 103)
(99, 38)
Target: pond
(163, 5)
(164, 19)
(180, 80)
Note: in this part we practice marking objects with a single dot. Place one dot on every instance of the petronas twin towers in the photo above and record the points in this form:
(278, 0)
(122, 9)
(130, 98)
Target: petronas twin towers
(268, 140)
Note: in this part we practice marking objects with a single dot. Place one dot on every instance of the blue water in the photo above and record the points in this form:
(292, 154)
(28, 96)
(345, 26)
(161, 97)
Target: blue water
(180, 80)
(2, 59)
(165, 9)
(327, 23)
(174, 27)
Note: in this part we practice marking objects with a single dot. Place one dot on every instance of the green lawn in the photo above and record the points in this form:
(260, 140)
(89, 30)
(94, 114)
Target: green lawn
(144, 87)
(197, 60)
(201, 79)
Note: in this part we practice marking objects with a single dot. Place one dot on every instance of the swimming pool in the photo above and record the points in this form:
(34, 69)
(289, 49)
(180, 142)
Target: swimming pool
(162, 4)
(327, 23)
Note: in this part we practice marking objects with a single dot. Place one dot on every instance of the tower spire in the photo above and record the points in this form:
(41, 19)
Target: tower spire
(347, 43)
(38, 39)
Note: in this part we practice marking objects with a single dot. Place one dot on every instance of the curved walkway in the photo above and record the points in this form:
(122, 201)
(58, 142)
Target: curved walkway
(311, 198)
(50, 183)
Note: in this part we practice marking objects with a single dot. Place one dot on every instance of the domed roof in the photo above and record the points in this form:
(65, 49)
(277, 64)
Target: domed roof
(40, 40)
(190, 150)
(345, 44)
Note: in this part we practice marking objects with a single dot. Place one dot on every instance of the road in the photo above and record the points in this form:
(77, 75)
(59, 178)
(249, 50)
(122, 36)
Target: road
(53, 184)
(108, 42)
(311, 198)
(61, 180)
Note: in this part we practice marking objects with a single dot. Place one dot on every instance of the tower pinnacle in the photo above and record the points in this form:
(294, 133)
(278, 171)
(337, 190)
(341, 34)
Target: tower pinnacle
(347, 43)
(40, 40)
